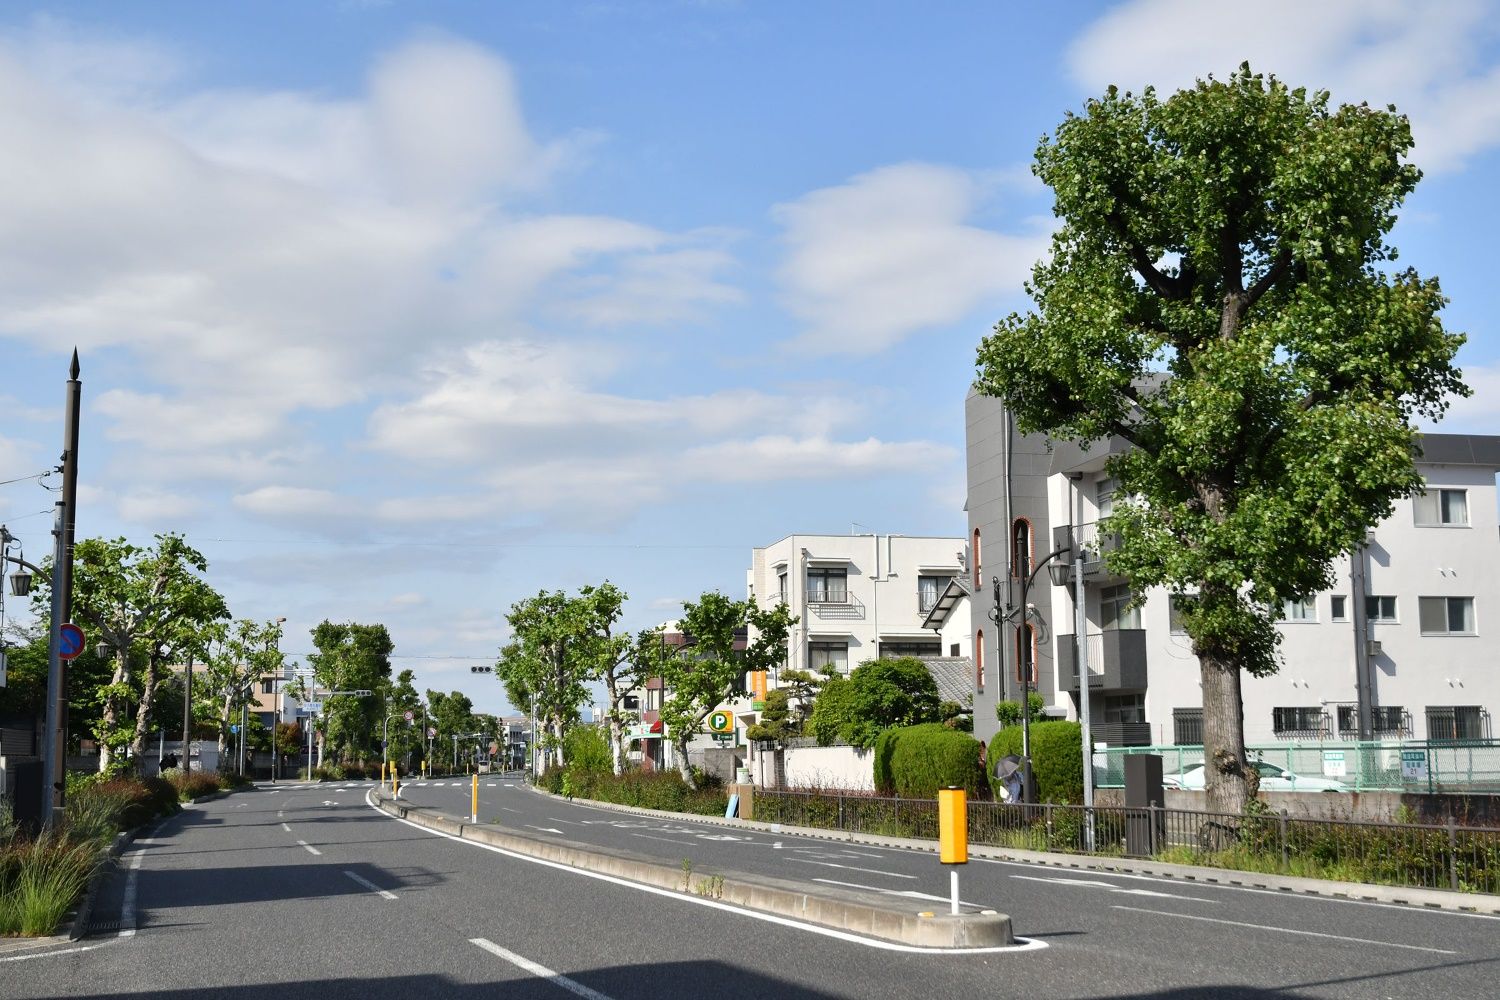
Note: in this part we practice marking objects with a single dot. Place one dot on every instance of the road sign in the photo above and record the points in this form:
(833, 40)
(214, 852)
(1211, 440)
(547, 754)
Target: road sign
(432, 733)
(409, 716)
(69, 641)
(721, 722)
(313, 707)
(234, 729)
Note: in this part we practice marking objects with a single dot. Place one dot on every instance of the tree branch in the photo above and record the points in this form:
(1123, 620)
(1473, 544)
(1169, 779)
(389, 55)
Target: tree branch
(1278, 270)
(1164, 285)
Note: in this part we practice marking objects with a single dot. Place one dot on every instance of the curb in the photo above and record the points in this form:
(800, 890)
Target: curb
(853, 912)
(85, 911)
(1430, 899)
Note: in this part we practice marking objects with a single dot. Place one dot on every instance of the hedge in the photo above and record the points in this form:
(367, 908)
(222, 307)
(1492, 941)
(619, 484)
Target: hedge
(931, 756)
(1056, 758)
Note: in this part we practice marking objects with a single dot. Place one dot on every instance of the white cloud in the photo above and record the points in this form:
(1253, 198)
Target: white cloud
(815, 457)
(292, 502)
(892, 252)
(157, 508)
(1478, 414)
(1430, 59)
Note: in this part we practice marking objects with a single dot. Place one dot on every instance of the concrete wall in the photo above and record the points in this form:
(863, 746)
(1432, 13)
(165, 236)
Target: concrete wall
(830, 767)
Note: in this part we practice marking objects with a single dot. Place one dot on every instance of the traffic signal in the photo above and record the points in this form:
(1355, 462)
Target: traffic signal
(481, 670)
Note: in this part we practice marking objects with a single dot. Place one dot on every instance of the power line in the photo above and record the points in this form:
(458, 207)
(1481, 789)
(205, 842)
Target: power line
(22, 479)
(472, 545)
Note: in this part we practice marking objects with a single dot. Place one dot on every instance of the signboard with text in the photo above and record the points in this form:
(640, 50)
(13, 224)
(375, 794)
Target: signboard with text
(1413, 765)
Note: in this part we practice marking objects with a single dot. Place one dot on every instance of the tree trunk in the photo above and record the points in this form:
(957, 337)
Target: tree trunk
(681, 743)
(109, 721)
(143, 712)
(1228, 778)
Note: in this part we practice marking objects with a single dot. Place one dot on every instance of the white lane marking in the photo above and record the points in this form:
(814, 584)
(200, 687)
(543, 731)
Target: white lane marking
(1286, 930)
(370, 885)
(544, 829)
(274, 791)
(127, 904)
(573, 822)
(719, 836)
(1086, 883)
(489, 784)
(1022, 944)
(540, 971)
(670, 840)
(311, 849)
(908, 893)
(852, 868)
(509, 809)
(286, 828)
(1091, 884)
(60, 951)
(329, 802)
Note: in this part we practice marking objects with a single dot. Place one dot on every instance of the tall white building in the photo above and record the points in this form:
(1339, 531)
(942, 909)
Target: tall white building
(1408, 630)
(861, 597)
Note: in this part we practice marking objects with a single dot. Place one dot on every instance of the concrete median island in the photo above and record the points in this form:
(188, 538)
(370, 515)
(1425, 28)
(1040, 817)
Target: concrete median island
(865, 914)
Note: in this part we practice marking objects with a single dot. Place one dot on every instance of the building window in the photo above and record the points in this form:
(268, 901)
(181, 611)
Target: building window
(1115, 611)
(828, 654)
(929, 589)
(1300, 611)
(1441, 507)
(953, 649)
(828, 586)
(1104, 497)
(1446, 615)
(1450, 723)
(1026, 655)
(1338, 608)
(1020, 548)
(1385, 720)
(1124, 708)
(1187, 727)
(1174, 616)
(911, 647)
(978, 571)
(1380, 609)
(267, 687)
(1311, 722)
(978, 659)
(781, 586)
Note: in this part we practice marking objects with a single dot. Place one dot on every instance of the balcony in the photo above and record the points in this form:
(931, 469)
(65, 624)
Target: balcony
(834, 605)
(1117, 660)
(1094, 545)
(1122, 734)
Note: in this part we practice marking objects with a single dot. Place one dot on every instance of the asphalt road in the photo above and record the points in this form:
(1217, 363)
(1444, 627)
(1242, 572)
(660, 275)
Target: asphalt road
(309, 892)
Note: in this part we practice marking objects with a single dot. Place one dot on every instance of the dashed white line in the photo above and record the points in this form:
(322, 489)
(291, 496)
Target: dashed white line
(310, 848)
(370, 885)
(852, 868)
(286, 828)
(540, 971)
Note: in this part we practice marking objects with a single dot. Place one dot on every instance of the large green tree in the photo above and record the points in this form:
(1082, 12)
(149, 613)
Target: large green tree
(351, 656)
(1220, 294)
(878, 695)
(553, 654)
(711, 668)
(452, 715)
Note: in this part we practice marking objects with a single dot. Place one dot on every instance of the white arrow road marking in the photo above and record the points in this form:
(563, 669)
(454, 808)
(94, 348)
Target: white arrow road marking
(1286, 930)
(1112, 887)
(540, 971)
(720, 836)
(670, 840)
(371, 886)
(545, 829)
(852, 868)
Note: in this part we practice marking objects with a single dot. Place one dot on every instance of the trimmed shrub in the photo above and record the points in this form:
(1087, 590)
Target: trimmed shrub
(193, 784)
(586, 751)
(928, 757)
(885, 746)
(663, 790)
(1056, 758)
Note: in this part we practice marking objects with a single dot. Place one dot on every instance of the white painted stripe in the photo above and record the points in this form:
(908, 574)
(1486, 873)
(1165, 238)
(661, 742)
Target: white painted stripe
(852, 868)
(48, 954)
(540, 971)
(907, 893)
(1287, 930)
(127, 904)
(1022, 944)
(286, 828)
(670, 840)
(370, 885)
(311, 849)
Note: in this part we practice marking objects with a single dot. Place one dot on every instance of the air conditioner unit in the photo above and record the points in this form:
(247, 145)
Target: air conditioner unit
(1372, 647)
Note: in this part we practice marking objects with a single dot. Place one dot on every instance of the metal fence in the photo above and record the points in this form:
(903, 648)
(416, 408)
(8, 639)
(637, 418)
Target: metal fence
(1407, 766)
(1453, 857)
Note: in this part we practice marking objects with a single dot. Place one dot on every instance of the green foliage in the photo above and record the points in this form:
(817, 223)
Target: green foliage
(775, 719)
(1056, 758)
(664, 790)
(879, 694)
(552, 656)
(1009, 712)
(40, 880)
(1233, 237)
(885, 747)
(351, 656)
(586, 751)
(931, 756)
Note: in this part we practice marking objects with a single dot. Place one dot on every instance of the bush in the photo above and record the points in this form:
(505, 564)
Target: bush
(663, 790)
(1056, 758)
(193, 784)
(40, 879)
(551, 778)
(586, 751)
(885, 746)
(928, 757)
(1009, 712)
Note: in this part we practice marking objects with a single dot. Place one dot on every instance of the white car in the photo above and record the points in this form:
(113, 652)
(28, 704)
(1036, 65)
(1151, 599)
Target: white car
(1272, 779)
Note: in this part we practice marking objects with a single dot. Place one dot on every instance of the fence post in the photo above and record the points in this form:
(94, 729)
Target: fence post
(1452, 854)
(1155, 834)
(1047, 818)
(1282, 824)
(841, 810)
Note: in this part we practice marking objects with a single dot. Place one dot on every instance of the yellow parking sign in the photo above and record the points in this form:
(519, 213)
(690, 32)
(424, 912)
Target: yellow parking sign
(721, 722)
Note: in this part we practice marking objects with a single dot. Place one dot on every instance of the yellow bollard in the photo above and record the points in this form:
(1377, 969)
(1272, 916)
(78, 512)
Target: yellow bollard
(474, 813)
(395, 784)
(953, 836)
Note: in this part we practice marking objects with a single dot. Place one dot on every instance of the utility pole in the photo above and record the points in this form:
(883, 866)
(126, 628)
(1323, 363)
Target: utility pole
(187, 713)
(55, 750)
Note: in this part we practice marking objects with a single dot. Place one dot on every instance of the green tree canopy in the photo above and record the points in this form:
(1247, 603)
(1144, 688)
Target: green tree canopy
(877, 695)
(350, 657)
(1220, 294)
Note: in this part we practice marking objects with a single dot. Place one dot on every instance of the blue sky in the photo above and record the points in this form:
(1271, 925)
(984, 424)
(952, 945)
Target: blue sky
(403, 312)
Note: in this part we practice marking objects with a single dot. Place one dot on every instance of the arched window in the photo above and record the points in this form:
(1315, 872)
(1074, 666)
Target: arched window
(979, 660)
(978, 573)
(1020, 548)
(1026, 655)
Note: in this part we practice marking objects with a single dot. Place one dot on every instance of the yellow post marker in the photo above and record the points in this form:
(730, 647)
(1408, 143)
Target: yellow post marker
(474, 812)
(953, 834)
(382, 774)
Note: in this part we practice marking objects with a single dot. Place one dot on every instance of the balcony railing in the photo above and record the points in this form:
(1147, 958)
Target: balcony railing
(1117, 659)
(1122, 734)
(827, 595)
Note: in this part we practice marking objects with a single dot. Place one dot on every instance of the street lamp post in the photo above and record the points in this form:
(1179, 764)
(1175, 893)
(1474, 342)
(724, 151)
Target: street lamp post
(276, 692)
(1001, 616)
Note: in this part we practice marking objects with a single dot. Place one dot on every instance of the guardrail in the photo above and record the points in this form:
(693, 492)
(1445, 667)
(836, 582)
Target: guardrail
(1407, 766)
(1451, 857)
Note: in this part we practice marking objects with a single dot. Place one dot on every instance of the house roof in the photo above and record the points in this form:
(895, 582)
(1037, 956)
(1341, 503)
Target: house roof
(954, 676)
(952, 595)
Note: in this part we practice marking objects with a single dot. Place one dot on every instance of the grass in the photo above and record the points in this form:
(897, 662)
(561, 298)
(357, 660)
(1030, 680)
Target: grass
(41, 879)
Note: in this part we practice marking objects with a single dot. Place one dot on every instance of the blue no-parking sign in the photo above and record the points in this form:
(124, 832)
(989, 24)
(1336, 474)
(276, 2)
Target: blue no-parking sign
(69, 641)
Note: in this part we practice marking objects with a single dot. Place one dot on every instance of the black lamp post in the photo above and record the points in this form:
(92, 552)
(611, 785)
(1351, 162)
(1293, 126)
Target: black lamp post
(1002, 615)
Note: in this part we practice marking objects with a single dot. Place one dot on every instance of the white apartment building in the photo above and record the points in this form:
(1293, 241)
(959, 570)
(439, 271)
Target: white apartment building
(862, 597)
(1404, 632)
